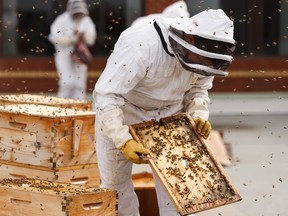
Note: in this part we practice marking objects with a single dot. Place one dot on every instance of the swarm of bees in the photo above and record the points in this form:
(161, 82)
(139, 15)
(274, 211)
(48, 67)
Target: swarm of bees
(185, 163)
(54, 187)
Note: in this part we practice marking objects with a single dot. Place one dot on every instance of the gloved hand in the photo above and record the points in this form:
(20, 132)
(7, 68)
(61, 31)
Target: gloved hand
(202, 127)
(132, 151)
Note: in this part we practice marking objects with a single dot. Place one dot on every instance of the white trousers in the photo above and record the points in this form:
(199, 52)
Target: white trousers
(116, 171)
(72, 77)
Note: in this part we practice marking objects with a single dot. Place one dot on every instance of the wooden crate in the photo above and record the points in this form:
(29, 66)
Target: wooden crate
(26, 197)
(188, 170)
(47, 136)
(146, 193)
(217, 145)
(80, 174)
(45, 100)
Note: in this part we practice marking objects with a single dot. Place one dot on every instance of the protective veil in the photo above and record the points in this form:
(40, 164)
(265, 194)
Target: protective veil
(64, 33)
(208, 34)
(142, 81)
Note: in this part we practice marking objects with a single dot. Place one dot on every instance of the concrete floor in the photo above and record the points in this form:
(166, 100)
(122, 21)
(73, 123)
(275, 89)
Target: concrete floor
(260, 165)
(256, 126)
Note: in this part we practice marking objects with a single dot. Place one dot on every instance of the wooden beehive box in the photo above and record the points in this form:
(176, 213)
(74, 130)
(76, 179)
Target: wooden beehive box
(79, 174)
(27, 197)
(47, 136)
(188, 170)
(45, 100)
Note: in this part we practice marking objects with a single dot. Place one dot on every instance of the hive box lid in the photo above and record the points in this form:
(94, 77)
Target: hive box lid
(48, 187)
(43, 111)
(45, 100)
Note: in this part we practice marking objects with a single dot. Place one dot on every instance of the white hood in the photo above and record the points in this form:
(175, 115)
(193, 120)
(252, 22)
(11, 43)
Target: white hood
(209, 24)
(77, 6)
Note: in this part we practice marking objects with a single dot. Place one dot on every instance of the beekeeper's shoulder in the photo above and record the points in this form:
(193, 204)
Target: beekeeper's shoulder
(140, 35)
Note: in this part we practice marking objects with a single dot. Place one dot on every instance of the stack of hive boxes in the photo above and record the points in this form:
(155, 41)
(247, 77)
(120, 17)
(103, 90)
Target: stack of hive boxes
(47, 138)
(40, 138)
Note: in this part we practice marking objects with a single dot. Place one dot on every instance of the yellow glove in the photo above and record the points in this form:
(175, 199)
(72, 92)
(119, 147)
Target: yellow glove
(132, 151)
(202, 127)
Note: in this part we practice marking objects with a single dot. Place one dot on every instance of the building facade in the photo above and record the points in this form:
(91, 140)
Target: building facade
(26, 56)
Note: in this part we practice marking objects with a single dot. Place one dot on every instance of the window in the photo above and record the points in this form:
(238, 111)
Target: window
(261, 27)
(26, 24)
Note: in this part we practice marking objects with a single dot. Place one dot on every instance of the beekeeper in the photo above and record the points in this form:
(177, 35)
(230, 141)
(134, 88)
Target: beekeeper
(156, 70)
(64, 33)
(177, 9)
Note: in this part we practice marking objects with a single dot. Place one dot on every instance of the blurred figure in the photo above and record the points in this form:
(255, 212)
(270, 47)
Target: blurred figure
(177, 9)
(73, 29)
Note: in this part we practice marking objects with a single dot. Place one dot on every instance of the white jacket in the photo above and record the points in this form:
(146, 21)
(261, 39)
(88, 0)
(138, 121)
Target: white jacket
(141, 74)
(62, 31)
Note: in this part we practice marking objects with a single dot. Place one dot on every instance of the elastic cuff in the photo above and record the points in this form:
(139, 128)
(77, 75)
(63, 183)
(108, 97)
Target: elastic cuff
(123, 144)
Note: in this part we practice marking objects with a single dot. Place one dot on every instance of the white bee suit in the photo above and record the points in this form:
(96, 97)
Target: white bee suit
(141, 82)
(72, 76)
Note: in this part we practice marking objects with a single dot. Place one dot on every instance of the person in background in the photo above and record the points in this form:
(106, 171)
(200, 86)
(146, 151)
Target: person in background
(70, 28)
(156, 70)
(177, 9)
